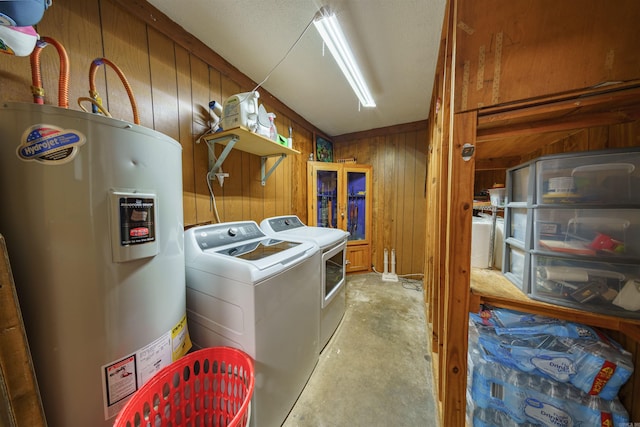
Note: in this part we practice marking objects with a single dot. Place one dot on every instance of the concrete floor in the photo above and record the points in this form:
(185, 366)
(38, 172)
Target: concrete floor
(376, 369)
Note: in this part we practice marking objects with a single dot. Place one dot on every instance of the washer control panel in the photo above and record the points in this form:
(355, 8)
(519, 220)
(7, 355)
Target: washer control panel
(218, 235)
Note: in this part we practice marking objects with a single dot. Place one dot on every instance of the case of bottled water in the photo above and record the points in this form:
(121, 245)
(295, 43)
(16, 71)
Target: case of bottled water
(526, 398)
(574, 353)
(535, 370)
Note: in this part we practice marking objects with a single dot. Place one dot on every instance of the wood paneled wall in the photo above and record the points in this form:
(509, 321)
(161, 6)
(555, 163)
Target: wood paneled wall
(174, 76)
(399, 173)
(506, 53)
(172, 87)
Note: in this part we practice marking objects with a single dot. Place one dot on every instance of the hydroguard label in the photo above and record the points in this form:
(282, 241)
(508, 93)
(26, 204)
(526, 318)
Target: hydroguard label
(49, 144)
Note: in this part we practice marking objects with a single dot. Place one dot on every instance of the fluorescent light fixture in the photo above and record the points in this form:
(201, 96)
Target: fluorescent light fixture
(329, 28)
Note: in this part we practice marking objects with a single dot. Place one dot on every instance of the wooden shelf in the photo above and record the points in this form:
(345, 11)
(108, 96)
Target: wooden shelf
(250, 142)
(244, 140)
(491, 287)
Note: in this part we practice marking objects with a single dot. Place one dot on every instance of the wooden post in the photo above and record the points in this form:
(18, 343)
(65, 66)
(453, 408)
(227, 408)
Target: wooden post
(458, 262)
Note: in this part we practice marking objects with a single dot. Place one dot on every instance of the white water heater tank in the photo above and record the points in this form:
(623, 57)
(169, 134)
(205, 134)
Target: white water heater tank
(93, 221)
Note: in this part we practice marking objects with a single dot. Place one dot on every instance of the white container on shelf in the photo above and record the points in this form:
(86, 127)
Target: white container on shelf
(480, 235)
(241, 110)
(480, 242)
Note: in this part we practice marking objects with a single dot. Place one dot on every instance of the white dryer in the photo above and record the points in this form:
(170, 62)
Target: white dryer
(333, 243)
(259, 294)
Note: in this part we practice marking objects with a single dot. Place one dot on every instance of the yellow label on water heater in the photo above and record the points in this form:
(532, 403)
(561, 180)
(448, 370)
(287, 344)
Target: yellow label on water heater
(180, 340)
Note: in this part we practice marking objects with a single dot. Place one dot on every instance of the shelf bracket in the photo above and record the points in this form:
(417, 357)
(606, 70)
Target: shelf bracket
(249, 142)
(263, 161)
(215, 163)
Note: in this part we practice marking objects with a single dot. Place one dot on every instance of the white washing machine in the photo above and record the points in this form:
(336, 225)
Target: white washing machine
(258, 294)
(333, 243)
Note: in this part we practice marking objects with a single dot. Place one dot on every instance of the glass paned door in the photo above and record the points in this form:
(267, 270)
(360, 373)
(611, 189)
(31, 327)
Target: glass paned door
(356, 204)
(327, 198)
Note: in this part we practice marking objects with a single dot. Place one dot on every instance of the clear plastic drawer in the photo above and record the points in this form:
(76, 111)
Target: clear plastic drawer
(595, 178)
(588, 232)
(608, 288)
(518, 182)
(518, 224)
(516, 267)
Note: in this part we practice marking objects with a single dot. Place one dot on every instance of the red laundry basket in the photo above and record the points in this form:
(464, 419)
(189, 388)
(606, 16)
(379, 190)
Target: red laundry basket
(209, 387)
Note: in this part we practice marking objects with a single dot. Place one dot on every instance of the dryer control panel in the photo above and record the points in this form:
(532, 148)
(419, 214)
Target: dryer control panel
(284, 223)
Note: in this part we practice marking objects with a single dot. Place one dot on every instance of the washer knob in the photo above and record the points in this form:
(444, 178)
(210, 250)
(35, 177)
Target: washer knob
(232, 231)
(287, 222)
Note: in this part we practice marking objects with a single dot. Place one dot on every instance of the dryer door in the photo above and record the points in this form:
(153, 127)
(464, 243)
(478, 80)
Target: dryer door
(333, 272)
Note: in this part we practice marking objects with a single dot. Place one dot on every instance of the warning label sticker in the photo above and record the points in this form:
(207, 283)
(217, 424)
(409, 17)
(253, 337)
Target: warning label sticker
(122, 378)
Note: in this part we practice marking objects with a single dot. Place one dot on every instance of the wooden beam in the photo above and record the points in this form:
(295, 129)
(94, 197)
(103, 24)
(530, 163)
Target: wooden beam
(555, 98)
(572, 111)
(573, 120)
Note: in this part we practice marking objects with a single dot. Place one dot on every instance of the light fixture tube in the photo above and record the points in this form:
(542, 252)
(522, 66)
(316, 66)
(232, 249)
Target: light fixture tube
(329, 28)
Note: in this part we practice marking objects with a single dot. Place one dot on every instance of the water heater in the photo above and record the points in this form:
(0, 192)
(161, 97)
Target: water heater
(93, 221)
